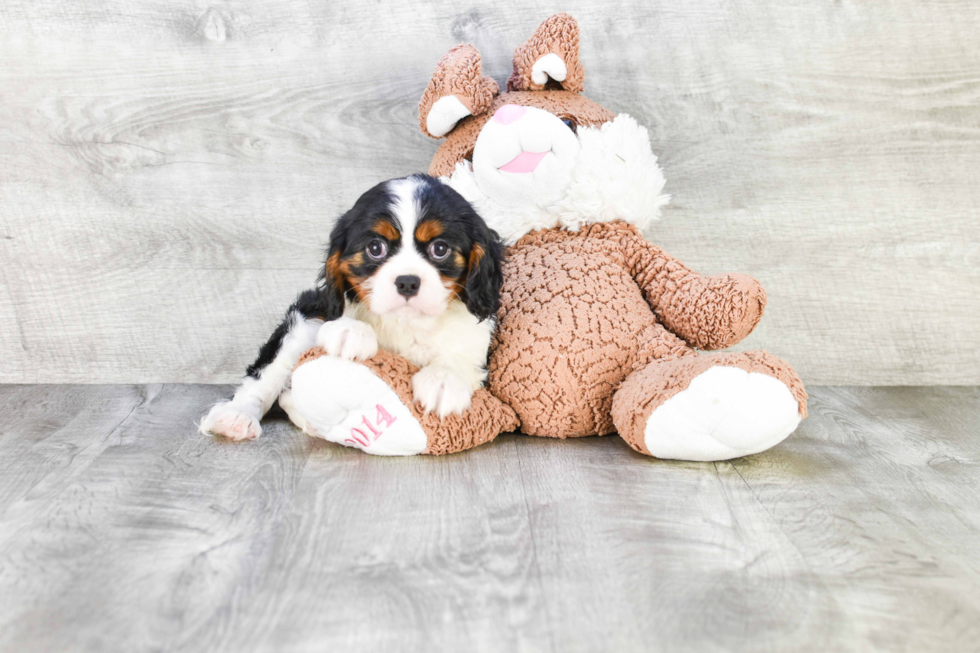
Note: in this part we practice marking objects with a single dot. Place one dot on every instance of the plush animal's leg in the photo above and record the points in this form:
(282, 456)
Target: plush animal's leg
(370, 406)
(289, 407)
(709, 312)
(709, 407)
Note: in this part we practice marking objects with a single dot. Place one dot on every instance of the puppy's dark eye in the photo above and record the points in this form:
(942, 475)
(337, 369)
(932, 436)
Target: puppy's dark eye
(377, 249)
(570, 124)
(439, 250)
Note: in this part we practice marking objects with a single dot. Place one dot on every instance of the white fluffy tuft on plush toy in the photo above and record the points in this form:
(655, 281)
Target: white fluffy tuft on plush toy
(615, 176)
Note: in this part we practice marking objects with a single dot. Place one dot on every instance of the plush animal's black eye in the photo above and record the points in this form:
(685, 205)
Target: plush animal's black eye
(439, 250)
(570, 124)
(377, 249)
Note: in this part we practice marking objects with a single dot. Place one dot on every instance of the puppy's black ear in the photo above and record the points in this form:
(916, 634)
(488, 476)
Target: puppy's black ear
(485, 275)
(331, 283)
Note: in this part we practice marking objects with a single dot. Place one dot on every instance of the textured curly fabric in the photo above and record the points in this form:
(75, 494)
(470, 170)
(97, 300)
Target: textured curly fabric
(709, 312)
(597, 327)
(458, 73)
(572, 325)
(459, 144)
(558, 35)
(647, 389)
(481, 423)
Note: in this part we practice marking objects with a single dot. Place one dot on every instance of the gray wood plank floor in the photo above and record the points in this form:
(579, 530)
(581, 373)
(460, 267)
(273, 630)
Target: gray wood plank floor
(121, 529)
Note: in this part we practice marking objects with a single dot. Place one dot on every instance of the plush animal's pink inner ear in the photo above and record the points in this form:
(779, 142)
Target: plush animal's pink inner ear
(551, 54)
(457, 89)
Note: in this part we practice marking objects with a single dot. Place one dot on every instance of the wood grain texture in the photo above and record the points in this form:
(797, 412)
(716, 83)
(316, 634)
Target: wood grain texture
(121, 528)
(169, 171)
(883, 511)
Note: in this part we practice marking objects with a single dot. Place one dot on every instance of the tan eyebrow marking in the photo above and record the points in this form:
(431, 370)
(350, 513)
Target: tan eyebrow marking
(386, 230)
(428, 230)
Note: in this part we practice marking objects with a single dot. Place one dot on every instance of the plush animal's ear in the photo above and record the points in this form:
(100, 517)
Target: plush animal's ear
(457, 89)
(549, 58)
(485, 275)
(331, 284)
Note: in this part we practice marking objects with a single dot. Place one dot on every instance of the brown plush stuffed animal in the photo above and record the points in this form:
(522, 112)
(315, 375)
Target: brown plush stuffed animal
(598, 328)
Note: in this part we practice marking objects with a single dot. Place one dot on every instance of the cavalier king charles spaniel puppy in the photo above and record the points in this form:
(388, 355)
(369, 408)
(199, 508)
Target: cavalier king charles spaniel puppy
(412, 269)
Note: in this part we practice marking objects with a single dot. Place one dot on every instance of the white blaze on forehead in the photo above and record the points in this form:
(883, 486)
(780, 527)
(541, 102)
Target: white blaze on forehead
(404, 205)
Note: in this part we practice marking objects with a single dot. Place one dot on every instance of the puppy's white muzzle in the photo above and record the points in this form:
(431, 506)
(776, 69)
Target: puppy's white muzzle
(387, 295)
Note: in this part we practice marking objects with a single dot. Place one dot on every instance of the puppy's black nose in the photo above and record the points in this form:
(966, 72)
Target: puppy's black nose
(408, 285)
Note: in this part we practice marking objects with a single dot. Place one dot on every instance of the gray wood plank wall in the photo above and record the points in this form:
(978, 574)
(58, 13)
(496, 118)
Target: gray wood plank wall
(169, 171)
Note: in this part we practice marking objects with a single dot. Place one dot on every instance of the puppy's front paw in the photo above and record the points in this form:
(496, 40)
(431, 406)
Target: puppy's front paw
(441, 391)
(226, 420)
(348, 338)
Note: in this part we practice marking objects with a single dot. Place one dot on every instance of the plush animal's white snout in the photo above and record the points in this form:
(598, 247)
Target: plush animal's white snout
(523, 156)
(525, 161)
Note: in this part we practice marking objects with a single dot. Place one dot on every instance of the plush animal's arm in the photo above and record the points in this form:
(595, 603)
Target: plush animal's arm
(709, 312)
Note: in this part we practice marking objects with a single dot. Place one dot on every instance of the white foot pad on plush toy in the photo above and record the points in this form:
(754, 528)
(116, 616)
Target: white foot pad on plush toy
(724, 413)
(344, 402)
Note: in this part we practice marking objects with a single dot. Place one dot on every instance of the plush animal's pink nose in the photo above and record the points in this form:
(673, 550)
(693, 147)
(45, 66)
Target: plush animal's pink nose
(509, 113)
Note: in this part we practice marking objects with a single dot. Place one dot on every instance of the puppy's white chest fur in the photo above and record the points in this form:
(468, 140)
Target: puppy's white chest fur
(455, 340)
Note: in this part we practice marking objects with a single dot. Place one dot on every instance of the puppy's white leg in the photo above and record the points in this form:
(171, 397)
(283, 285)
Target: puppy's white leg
(348, 338)
(238, 419)
(441, 390)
